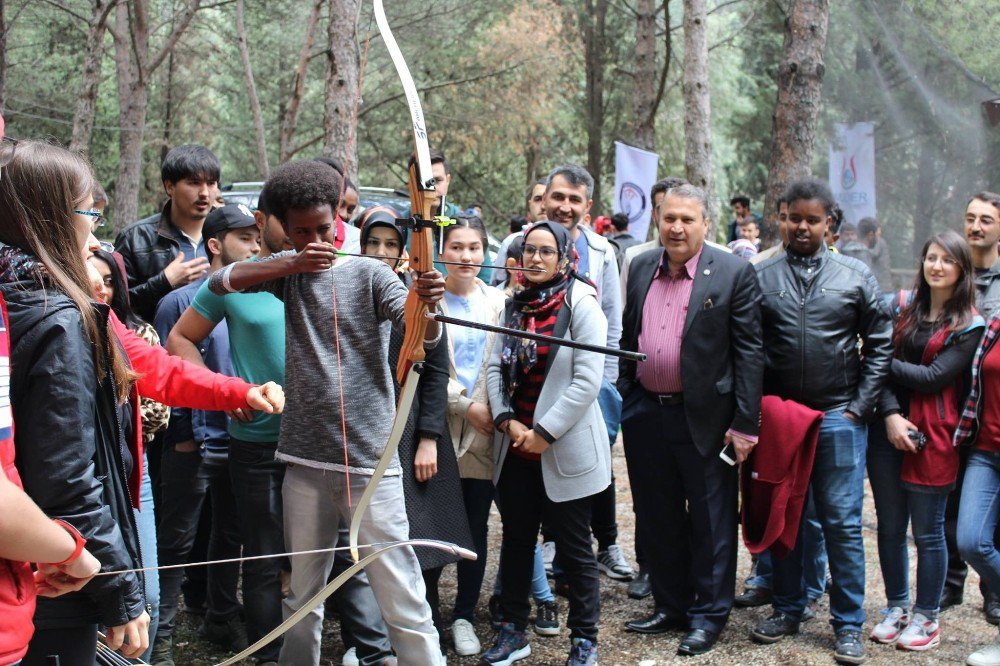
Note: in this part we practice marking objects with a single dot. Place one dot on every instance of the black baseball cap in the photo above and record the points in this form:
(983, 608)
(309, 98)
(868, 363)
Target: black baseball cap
(230, 216)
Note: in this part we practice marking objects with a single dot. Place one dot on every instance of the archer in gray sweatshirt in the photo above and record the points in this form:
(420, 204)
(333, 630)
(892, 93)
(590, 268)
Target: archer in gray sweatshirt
(354, 302)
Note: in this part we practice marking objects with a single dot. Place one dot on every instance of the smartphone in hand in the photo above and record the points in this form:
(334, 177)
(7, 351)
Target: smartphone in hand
(728, 454)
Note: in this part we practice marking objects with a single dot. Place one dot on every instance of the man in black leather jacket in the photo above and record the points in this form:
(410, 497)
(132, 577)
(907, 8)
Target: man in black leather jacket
(816, 307)
(166, 251)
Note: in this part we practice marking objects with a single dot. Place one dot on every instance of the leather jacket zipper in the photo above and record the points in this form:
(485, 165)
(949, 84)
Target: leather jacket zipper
(130, 517)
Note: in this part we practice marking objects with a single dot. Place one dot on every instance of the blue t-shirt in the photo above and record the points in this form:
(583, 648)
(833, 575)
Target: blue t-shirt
(210, 429)
(256, 324)
(468, 343)
(583, 249)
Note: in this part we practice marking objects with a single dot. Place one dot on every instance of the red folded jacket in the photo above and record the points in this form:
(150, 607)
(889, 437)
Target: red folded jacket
(775, 478)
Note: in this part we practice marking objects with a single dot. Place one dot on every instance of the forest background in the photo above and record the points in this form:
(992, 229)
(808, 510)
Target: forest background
(511, 88)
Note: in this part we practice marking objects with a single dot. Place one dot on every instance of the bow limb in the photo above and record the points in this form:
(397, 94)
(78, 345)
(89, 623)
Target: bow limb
(423, 195)
(333, 585)
(406, 395)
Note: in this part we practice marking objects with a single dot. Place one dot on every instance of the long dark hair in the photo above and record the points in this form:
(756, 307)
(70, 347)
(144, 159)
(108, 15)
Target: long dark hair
(120, 301)
(957, 311)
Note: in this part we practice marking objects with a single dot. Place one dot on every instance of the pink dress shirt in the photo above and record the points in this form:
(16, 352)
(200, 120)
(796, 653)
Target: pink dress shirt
(663, 318)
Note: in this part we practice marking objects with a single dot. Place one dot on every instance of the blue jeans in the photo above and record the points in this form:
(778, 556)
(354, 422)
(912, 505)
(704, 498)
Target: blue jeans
(146, 524)
(813, 557)
(540, 590)
(896, 505)
(837, 486)
(978, 512)
(610, 402)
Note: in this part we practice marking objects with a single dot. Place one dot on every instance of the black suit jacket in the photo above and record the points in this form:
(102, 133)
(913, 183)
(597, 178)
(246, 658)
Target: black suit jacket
(722, 359)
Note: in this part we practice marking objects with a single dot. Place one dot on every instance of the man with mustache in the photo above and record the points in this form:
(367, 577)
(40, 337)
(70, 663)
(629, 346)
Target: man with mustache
(815, 307)
(982, 231)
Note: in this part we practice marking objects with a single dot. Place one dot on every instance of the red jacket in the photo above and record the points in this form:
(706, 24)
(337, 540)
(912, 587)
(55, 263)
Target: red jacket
(776, 475)
(174, 382)
(17, 585)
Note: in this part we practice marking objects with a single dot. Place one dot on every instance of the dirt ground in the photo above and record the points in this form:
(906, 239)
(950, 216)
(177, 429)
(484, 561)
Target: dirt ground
(963, 627)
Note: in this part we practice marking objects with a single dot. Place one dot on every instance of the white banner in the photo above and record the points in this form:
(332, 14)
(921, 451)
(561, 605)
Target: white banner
(852, 170)
(635, 175)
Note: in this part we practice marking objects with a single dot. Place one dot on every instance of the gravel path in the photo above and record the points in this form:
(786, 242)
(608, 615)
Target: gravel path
(963, 627)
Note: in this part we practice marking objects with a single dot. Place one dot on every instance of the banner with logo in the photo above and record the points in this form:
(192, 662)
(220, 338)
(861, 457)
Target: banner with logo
(635, 175)
(852, 169)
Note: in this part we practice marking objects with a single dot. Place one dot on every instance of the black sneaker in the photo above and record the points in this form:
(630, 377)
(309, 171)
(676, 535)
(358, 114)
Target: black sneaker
(547, 619)
(952, 596)
(496, 614)
(774, 628)
(163, 652)
(753, 597)
(991, 607)
(849, 649)
(612, 564)
(229, 634)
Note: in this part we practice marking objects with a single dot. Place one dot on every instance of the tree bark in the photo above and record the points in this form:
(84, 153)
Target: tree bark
(134, 67)
(594, 20)
(86, 100)
(258, 118)
(926, 201)
(343, 61)
(133, 95)
(800, 85)
(290, 117)
(697, 103)
(645, 75)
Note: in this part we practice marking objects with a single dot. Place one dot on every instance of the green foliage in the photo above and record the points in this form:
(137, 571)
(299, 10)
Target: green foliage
(503, 89)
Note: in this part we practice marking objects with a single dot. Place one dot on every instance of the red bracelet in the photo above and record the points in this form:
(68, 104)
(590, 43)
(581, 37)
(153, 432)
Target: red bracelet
(77, 538)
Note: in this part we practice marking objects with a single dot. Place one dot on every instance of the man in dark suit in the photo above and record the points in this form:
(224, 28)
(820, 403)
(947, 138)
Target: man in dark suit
(695, 311)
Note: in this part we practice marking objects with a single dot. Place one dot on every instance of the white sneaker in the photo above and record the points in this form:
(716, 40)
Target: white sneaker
(548, 556)
(888, 630)
(464, 636)
(987, 656)
(921, 634)
(350, 658)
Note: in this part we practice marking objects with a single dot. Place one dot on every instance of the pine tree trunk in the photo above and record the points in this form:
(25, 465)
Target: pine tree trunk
(258, 118)
(697, 103)
(800, 85)
(86, 100)
(595, 56)
(290, 117)
(645, 75)
(133, 96)
(341, 90)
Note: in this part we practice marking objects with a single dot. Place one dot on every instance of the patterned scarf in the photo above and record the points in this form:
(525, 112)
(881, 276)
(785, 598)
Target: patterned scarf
(535, 301)
(968, 425)
(16, 265)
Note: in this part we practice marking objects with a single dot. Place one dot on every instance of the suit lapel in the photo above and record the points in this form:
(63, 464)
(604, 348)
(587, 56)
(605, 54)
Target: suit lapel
(702, 278)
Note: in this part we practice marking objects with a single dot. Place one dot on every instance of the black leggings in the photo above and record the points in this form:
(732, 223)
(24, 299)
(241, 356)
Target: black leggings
(68, 646)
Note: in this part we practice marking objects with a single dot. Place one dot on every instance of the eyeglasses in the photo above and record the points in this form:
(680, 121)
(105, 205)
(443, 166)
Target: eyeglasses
(545, 252)
(7, 148)
(106, 246)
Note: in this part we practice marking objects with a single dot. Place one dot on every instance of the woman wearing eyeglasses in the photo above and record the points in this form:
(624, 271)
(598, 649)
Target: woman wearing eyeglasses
(551, 451)
(70, 396)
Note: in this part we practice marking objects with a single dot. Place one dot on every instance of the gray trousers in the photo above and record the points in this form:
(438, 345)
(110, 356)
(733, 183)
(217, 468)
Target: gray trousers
(315, 503)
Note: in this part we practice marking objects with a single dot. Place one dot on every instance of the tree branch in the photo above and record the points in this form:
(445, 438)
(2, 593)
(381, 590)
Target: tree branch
(175, 35)
(441, 84)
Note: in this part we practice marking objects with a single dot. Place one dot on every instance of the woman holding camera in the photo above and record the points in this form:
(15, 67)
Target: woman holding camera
(912, 463)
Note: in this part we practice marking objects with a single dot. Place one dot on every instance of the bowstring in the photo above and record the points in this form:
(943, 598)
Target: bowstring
(336, 325)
